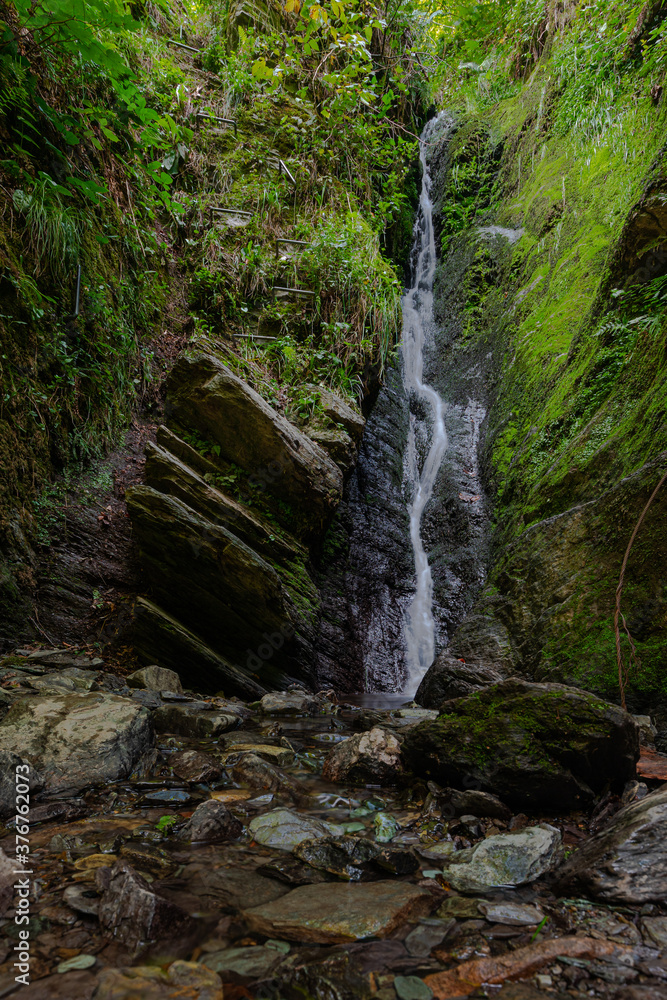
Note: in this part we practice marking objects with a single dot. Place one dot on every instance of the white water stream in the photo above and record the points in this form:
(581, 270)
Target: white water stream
(418, 329)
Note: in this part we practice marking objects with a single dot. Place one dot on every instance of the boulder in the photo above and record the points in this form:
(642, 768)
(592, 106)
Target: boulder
(8, 763)
(506, 859)
(449, 677)
(211, 821)
(627, 861)
(289, 703)
(155, 678)
(132, 913)
(197, 719)
(335, 913)
(77, 740)
(285, 829)
(476, 803)
(348, 857)
(205, 395)
(253, 772)
(368, 758)
(531, 744)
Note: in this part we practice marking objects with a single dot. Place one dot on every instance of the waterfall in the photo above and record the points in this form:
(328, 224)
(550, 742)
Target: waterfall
(418, 329)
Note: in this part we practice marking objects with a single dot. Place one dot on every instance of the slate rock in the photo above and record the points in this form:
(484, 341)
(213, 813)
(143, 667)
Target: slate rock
(531, 744)
(412, 988)
(289, 703)
(626, 862)
(195, 719)
(284, 828)
(245, 964)
(347, 857)
(132, 913)
(427, 935)
(507, 859)
(293, 872)
(479, 803)
(155, 678)
(211, 821)
(339, 912)
(191, 765)
(514, 914)
(449, 678)
(180, 981)
(260, 775)
(8, 763)
(77, 740)
(149, 699)
(367, 758)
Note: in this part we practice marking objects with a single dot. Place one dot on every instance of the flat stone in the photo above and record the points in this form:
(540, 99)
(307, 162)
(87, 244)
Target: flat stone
(246, 963)
(285, 829)
(155, 678)
(280, 756)
(82, 899)
(260, 775)
(193, 719)
(180, 981)
(211, 821)
(191, 765)
(412, 988)
(627, 861)
(514, 914)
(656, 928)
(532, 744)
(461, 907)
(507, 859)
(367, 758)
(289, 703)
(427, 935)
(335, 913)
(77, 740)
(149, 699)
(222, 888)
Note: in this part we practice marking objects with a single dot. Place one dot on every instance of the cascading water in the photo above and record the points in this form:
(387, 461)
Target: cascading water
(418, 328)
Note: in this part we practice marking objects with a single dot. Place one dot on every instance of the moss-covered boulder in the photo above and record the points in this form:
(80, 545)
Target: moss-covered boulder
(531, 744)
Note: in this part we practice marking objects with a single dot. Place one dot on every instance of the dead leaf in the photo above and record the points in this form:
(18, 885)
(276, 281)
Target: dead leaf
(519, 964)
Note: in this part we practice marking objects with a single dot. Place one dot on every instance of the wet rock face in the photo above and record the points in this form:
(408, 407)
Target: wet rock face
(450, 677)
(532, 744)
(366, 576)
(373, 757)
(627, 861)
(76, 740)
(204, 394)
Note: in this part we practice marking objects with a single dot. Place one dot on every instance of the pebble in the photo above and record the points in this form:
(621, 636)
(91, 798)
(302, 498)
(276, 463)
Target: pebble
(412, 988)
(78, 962)
(386, 827)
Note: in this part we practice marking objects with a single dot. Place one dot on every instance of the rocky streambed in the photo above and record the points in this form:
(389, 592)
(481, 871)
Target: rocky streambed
(182, 846)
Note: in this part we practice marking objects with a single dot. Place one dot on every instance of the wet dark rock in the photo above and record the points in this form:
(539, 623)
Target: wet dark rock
(531, 744)
(515, 914)
(449, 677)
(289, 703)
(393, 859)
(253, 772)
(131, 912)
(195, 719)
(428, 934)
(191, 765)
(60, 658)
(508, 859)
(478, 804)
(337, 912)
(148, 859)
(244, 964)
(149, 699)
(369, 758)
(223, 889)
(64, 811)
(627, 861)
(154, 678)
(347, 857)
(211, 821)
(292, 872)
(8, 763)
(77, 740)
(341, 413)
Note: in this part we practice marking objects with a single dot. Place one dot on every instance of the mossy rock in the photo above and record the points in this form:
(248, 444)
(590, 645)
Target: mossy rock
(532, 744)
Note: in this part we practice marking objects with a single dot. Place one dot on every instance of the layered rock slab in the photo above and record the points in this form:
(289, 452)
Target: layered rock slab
(531, 744)
(334, 914)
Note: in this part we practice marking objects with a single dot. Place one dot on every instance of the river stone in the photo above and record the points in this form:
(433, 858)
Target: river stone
(626, 862)
(204, 394)
(180, 981)
(260, 775)
(334, 913)
(347, 857)
(289, 703)
(411, 988)
(507, 859)
(515, 914)
(225, 888)
(531, 744)
(246, 963)
(155, 678)
(285, 829)
(132, 913)
(449, 678)
(479, 804)
(77, 740)
(368, 758)
(8, 763)
(211, 821)
(197, 720)
(191, 765)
